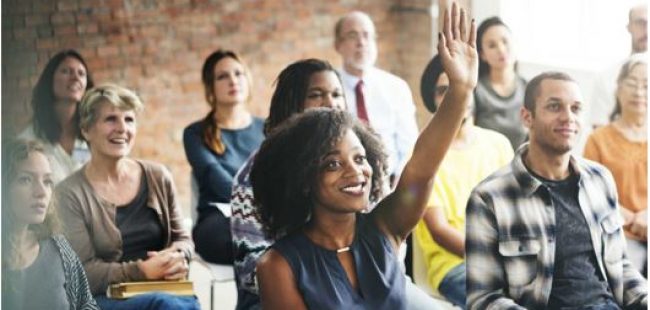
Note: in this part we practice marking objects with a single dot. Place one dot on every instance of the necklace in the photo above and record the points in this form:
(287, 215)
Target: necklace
(343, 249)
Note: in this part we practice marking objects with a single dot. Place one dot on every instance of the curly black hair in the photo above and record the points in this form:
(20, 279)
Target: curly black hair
(286, 168)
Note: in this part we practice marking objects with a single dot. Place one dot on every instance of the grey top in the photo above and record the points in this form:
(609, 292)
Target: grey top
(61, 288)
(28, 281)
(501, 114)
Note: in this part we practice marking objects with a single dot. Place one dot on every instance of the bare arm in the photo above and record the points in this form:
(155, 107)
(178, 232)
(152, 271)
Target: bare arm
(444, 234)
(400, 211)
(278, 289)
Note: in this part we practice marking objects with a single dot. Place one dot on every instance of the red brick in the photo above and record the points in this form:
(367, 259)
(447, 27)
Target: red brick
(36, 19)
(24, 33)
(46, 44)
(106, 51)
(62, 18)
(65, 30)
(87, 28)
(44, 31)
(95, 64)
(67, 5)
(44, 6)
(131, 50)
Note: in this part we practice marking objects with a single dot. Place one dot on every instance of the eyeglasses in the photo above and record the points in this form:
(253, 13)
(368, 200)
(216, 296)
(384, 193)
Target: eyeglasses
(356, 36)
(632, 84)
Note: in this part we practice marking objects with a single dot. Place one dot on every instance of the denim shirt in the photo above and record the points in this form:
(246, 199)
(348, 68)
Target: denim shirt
(510, 247)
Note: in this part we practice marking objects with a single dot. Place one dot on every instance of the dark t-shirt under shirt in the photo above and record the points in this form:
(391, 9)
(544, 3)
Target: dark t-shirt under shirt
(139, 226)
(577, 280)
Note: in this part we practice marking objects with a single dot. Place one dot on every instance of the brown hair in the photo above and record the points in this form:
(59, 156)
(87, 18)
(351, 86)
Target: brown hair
(211, 131)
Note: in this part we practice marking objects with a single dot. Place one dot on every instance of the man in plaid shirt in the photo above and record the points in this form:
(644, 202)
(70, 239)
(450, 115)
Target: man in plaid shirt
(544, 232)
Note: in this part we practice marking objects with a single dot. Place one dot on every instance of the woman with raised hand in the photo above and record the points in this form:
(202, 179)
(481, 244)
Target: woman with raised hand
(302, 85)
(315, 174)
(121, 214)
(622, 147)
(499, 94)
(217, 146)
(39, 268)
(55, 122)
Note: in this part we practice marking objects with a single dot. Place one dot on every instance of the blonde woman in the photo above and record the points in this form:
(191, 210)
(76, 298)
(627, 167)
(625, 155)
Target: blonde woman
(121, 214)
(39, 269)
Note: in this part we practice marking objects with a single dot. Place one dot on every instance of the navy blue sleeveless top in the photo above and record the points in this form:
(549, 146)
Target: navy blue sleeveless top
(323, 283)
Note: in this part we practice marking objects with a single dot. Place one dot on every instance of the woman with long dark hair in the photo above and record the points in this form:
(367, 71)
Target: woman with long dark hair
(499, 94)
(55, 122)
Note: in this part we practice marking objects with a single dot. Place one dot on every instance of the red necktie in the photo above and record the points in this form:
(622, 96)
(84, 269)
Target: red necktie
(362, 114)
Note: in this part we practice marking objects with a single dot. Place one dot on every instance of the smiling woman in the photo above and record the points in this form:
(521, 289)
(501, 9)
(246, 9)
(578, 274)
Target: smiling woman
(120, 214)
(316, 174)
(55, 123)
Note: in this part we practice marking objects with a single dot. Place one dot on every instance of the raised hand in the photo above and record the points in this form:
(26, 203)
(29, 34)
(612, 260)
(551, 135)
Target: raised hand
(457, 48)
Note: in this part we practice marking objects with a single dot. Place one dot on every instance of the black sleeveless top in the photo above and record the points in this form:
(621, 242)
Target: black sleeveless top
(323, 283)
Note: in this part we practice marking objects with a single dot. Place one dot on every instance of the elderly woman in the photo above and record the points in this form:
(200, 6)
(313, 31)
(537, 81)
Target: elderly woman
(120, 214)
(31, 244)
(622, 146)
(55, 123)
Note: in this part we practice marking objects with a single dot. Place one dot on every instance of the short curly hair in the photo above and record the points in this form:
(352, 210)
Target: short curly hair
(287, 166)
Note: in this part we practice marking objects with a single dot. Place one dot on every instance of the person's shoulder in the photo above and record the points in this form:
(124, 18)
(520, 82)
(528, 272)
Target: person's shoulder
(71, 182)
(603, 131)
(491, 135)
(590, 167)
(63, 245)
(386, 76)
(28, 133)
(521, 81)
(194, 128)
(493, 138)
(155, 169)
(501, 180)
(258, 124)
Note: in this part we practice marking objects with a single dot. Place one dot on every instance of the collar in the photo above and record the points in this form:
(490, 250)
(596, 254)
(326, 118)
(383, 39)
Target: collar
(528, 183)
(350, 81)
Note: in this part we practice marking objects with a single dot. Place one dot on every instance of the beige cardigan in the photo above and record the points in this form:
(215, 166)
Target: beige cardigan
(89, 224)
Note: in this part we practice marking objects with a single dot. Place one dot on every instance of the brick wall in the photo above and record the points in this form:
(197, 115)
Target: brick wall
(157, 48)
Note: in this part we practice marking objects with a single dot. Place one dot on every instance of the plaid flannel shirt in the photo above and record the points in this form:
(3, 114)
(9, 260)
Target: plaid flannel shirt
(510, 231)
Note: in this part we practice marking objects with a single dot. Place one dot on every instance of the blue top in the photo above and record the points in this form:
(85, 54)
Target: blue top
(214, 173)
(323, 283)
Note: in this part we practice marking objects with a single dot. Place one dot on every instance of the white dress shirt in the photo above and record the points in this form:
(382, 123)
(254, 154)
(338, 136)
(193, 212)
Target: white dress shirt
(391, 112)
(63, 164)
